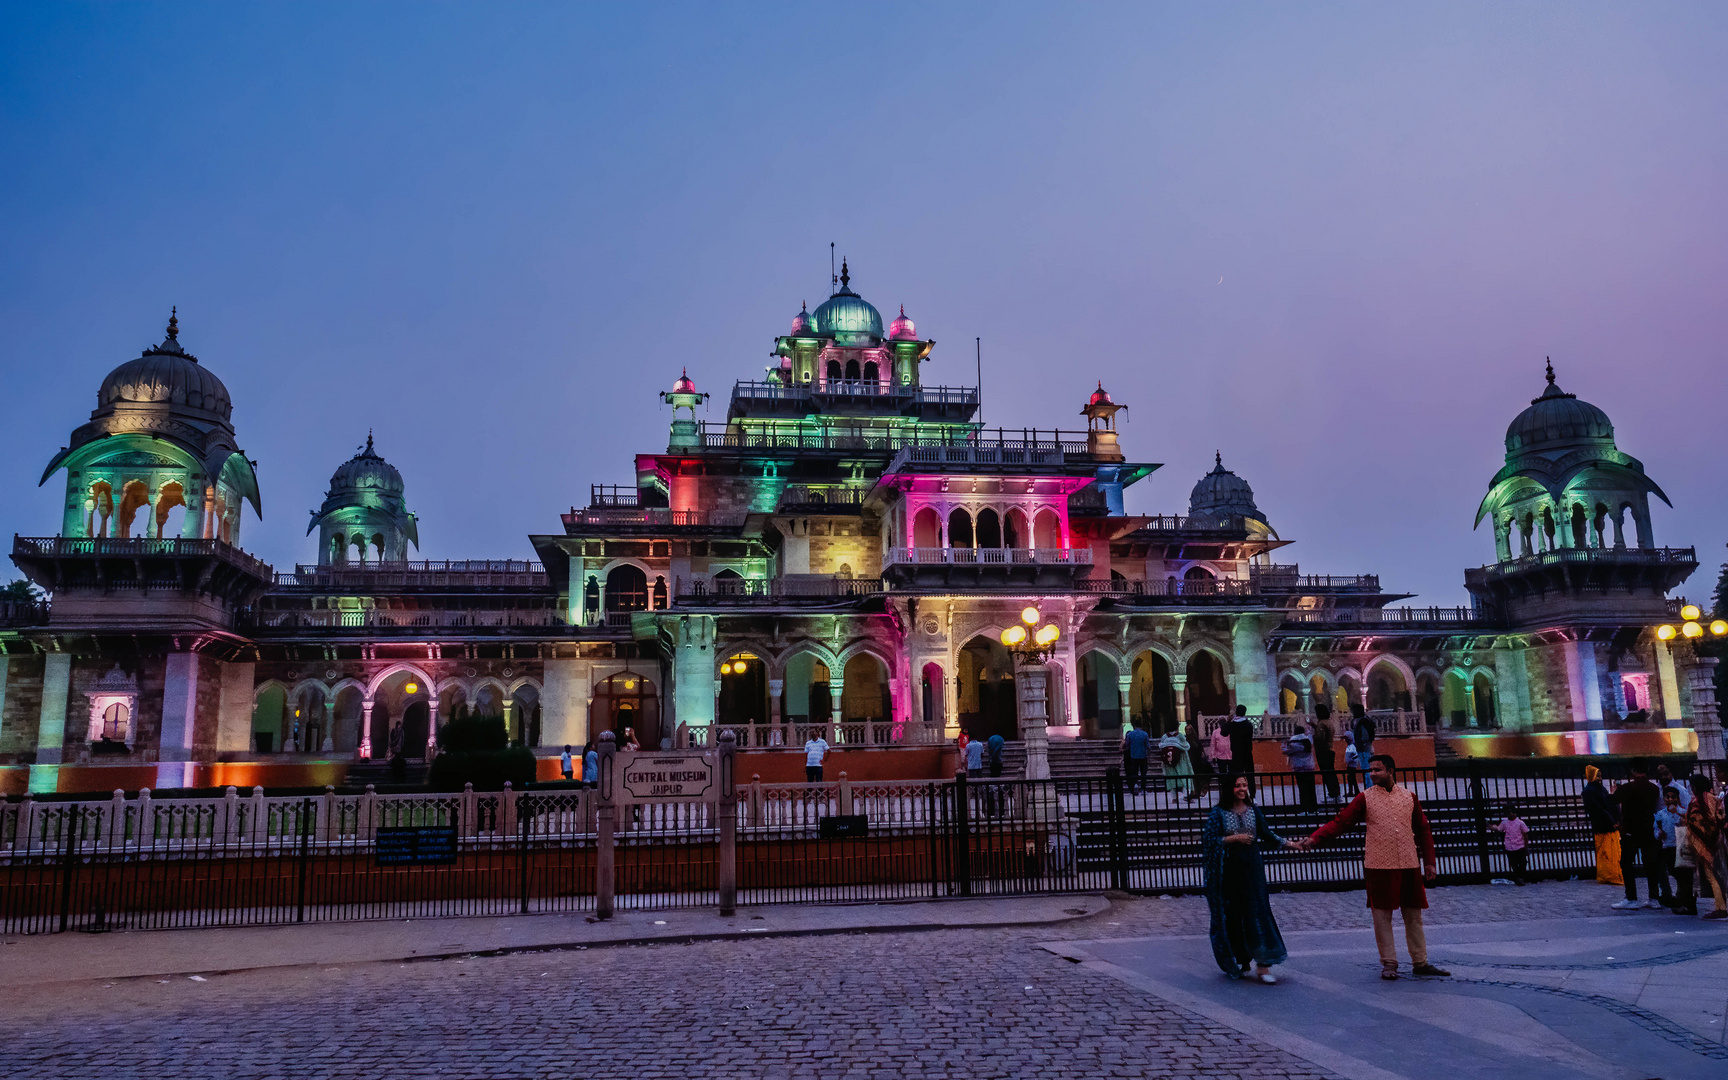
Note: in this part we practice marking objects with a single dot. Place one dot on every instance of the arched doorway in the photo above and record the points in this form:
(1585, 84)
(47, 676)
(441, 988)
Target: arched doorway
(401, 716)
(1100, 697)
(1207, 694)
(804, 694)
(1484, 695)
(525, 711)
(626, 589)
(986, 690)
(864, 694)
(625, 700)
(960, 529)
(926, 529)
(1152, 694)
(743, 690)
(1387, 688)
(1428, 692)
(349, 713)
(931, 697)
(1454, 701)
(1289, 695)
(268, 710)
(989, 529)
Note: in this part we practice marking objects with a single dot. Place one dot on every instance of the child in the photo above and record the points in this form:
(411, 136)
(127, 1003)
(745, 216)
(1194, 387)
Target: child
(1352, 763)
(1668, 819)
(1514, 829)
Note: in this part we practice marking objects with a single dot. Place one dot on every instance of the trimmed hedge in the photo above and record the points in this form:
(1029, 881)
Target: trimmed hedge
(476, 750)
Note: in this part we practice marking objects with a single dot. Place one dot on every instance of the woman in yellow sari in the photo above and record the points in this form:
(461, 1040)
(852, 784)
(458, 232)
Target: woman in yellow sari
(1605, 824)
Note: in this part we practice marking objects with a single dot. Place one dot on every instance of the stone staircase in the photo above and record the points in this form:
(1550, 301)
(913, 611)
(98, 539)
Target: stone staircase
(1073, 758)
(378, 773)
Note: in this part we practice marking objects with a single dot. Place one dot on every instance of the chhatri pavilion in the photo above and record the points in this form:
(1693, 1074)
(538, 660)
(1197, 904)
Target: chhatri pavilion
(841, 554)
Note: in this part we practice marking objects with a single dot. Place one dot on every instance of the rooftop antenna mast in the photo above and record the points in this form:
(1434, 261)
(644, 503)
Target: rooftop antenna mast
(978, 346)
(833, 278)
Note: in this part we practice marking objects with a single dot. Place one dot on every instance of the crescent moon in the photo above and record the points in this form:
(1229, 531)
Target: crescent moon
(1220, 279)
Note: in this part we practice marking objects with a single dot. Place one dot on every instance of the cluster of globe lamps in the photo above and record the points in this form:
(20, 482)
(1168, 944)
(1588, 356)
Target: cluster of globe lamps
(1027, 639)
(1693, 627)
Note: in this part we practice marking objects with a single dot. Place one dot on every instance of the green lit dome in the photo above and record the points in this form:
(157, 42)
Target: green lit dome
(1558, 420)
(846, 312)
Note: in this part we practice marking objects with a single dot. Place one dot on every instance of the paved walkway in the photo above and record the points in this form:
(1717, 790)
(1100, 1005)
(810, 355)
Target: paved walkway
(987, 1002)
(1618, 996)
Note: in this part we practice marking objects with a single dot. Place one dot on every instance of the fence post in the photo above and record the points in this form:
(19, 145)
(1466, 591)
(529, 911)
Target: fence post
(26, 837)
(1479, 816)
(117, 820)
(260, 823)
(365, 814)
(231, 810)
(728, 811)
(507, 809)
(328, 827)
(469, 826)
(306, 827)
(1118, 829)
(843, 803)
(755, 800)
(524, 825)
(68, 865)
(146, 830)
(963, 835)
(605, 881)
(935, 860)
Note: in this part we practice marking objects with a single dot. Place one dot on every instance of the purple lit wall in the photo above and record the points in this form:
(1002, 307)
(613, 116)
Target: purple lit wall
(1333, 242)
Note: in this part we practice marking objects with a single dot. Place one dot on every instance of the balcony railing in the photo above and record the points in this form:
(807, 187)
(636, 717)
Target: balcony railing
(422, 573)
(1289, 579)
(763, 390)
(1165, 588)
(942, 556)
(773, 589)
(23, 612)
(1397, 616)
(612, 495)
(375, 618)
(803, 497)
(63, 547)
(795, 435)
(1641, 556)
(656, 517)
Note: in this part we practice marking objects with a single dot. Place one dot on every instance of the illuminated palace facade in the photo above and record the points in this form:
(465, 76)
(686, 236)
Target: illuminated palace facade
(844, 549)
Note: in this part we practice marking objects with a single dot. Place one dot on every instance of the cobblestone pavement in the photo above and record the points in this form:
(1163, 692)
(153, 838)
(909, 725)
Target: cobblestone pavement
(957, 1003)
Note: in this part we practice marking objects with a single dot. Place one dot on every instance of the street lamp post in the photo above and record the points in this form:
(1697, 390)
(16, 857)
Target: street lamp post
(1030, 644)
(1692, 629)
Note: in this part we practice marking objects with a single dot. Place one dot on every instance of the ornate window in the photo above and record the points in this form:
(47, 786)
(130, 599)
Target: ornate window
(113, 707)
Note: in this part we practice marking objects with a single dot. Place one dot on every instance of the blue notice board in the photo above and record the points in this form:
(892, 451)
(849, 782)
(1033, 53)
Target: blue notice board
(417, 846)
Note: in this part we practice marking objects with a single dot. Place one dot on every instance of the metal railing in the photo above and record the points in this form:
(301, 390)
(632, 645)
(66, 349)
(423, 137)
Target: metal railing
(1171, 588)
(799, 586)
(805, 497)
(24, 612)
(1652, 555)
(147, 862)
(658, 517)
(378, 618)
(65, 547)
(940, 556)
(419, 573)
(1398, 616)
(792, 736)
(1283, 725)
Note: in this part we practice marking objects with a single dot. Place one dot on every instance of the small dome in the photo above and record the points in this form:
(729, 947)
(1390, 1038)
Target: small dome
(903, 328)
(1100, 396)
(1222, 494)
(366, 471)
(165, 374)
(1557, 420)
(684, 385)
(801, 321)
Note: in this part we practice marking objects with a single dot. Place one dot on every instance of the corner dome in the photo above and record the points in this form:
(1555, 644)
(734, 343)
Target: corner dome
(684, 385)
(1101, 396)
(365, 471)
(1557, 420)
(846, 312)
(801, 321)
(165, 374)
(903, 328)
(1222, 494)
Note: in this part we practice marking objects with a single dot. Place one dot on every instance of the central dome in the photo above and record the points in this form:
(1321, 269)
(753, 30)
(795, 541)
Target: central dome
(1558, 420)
(1221, 494)
(366, 471)
(166, 374)
(846, 312)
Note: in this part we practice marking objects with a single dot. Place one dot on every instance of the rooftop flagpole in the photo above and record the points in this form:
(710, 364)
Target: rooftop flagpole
(978, 344)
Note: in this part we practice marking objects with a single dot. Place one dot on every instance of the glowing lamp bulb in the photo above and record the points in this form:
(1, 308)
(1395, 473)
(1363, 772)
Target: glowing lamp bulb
(1013, 636)
(1692, 630)
(1030, 616)
(1047, 634)
(1719, 628)
(1665, 632)
(726, 668)
(1690, 612)
(411, 688)
(629, 684)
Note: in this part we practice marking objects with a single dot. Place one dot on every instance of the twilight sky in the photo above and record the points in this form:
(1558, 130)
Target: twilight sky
(494, 233)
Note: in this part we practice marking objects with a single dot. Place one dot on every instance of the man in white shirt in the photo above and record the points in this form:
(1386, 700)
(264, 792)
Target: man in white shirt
(814, 751)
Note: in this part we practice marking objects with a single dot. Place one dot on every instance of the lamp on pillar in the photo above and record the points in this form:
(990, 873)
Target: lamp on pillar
(1693, 630)
(1030, 644)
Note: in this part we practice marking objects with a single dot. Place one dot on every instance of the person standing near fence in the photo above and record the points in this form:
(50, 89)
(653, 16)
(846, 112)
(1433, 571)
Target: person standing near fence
(975, 760)
(1704, 831)
(1638, 800)
(1178, 764)
(1243, 931)
(1513, 831)
(1240, 731)
(1604, 825)
(566, 766)
(590, 765)
(1670, 829)
(815, 752)
(1136, 751)
(1299, 750)
(1323, 751)
(1666, 779)
(1396, 859)
(1362, 727)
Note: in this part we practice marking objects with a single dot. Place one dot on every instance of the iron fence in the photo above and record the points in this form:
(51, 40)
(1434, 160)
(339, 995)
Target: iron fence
(235, 861)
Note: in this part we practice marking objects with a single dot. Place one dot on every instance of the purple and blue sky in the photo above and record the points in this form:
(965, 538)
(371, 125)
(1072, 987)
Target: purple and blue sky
(493, 233)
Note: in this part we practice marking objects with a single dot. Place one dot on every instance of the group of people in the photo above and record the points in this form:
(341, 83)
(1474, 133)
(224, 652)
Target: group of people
(1672, 827)
(1398, 858)
(590, 764)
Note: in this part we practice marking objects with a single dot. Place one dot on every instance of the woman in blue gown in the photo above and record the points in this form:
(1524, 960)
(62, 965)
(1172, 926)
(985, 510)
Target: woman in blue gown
(1243, 929)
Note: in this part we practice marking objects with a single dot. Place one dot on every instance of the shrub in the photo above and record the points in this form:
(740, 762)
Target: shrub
(476, 750)
(472, 733)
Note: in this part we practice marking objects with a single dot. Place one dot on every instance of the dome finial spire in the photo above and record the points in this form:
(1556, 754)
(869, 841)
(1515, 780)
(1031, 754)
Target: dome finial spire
(845, 276)
(1550, 360)
(368, 440)
(174, 323)
(1218, 459)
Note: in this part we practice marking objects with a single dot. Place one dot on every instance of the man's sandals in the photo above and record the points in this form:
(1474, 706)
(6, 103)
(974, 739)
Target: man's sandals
(1424, 970)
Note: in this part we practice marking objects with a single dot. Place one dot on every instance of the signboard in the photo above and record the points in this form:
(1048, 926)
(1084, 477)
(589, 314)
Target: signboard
(835, 826)
(666, 776)
(418, 846)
